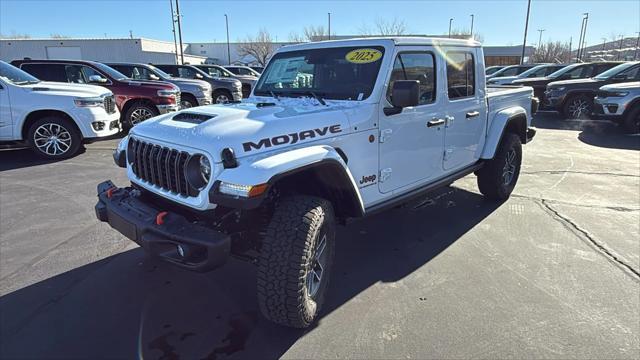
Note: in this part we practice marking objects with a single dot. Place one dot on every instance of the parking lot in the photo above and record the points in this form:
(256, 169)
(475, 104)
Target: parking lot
(552, 273)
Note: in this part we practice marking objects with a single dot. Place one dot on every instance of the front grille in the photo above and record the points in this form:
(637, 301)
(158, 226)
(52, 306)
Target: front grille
(160, 166)
(109, 104)
(246, 90)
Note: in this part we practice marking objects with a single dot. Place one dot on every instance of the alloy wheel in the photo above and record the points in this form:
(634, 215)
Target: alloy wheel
(222, 99)
(139, 115)
(509, 169)
(315, 271)
(184, 104)
(579, 108)
(52, 139)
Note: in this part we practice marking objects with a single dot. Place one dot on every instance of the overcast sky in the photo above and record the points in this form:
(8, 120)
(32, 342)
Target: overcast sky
(499, 22)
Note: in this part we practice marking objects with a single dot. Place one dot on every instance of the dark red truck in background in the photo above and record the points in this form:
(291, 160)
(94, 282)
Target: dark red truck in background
(136, 100)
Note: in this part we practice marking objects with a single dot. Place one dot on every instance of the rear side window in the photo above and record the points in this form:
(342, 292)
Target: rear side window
(46, 72)
(171, 70)
(124, 69)
(509, 72)
(186, 73)
(460, 75)
(415, 66)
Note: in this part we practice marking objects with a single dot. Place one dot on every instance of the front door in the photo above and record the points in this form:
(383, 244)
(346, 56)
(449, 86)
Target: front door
(465, 110)
(411, 142)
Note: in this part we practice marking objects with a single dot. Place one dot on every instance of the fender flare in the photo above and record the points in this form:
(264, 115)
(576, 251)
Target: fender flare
(515, 117)
(274, 168)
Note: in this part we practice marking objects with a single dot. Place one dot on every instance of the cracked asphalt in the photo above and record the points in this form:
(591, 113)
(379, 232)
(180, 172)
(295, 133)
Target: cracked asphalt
(554, 272)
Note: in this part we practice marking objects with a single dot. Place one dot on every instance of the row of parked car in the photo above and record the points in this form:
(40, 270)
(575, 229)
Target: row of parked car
(49, 104)
(605, 90)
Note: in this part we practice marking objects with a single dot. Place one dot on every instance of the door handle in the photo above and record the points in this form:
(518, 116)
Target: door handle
(435, 122)
(472, 114)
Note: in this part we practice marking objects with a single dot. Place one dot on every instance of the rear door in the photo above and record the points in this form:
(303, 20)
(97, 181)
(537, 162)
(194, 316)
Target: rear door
(411, 147)
(6, 120)
(465, 108)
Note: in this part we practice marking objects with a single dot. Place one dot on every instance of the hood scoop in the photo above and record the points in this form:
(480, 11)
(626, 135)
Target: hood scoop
(192, 118)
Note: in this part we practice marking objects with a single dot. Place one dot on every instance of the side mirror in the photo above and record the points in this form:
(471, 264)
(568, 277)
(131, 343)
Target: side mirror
(97, 79)
(619, 77)
(153, 77)
(199, 76)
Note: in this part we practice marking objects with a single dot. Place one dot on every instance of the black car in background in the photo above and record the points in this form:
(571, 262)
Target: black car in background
(512, 70)
(491, 69)
(574, 98)
(573, 71)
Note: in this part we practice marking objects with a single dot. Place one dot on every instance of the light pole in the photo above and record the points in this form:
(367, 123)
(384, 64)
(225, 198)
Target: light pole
(173, 26)
(471, 26)
(540, 38)
(620, 46)
(329, 15)
(226, 21)
(584, 35)
(604, 43)
(635, 55)
(526, 28)
(179, 31)
(580, 40)
(450, 21)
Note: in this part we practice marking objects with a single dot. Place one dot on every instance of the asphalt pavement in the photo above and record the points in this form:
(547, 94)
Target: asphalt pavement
(554, 272)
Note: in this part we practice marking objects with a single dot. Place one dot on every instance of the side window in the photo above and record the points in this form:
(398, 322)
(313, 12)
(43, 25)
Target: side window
(140, 73)
(186, 73)
(415, 66)
(88, 72)
(460, 75)
(46, 72)
(171, 70)
(576, 73)
(631, 74)
(510, 72)
(74, 74)
(602, 68)
(125, 70)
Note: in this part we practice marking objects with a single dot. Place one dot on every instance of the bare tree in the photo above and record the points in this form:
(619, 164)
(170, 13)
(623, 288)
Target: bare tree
(384, 27)
(465, 33)
(58, 36)
(310, 33)
(260, 47)
(15, 35)
(552, 52)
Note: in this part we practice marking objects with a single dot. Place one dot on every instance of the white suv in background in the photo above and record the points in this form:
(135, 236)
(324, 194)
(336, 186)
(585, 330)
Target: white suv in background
(53, 119)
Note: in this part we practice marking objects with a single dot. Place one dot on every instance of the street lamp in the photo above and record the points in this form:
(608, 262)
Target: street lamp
(226, 20)
(329, 14)
(526, 28)
(471, 26)
(540, 38)
(450, 21)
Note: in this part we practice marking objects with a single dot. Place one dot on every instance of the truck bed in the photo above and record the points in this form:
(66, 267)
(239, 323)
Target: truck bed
(501, 97)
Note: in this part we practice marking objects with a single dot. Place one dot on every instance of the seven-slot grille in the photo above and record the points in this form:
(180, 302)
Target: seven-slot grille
(160, 166)
(109, 104)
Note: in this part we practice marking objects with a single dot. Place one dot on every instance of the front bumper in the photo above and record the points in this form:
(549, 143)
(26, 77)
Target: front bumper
(164, 109)
(237, 95)
(553, 100)
(606, 112)
(165, 234)
(207, 100)
(531, 133)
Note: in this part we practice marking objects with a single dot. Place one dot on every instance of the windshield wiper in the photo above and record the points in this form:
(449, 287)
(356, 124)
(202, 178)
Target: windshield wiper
(273, 95)
(317, 97)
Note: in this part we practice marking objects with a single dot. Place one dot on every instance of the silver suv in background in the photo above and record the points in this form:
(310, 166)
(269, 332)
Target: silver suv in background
(248, 81)
(224, 89)
(194, 92)
(619, 103)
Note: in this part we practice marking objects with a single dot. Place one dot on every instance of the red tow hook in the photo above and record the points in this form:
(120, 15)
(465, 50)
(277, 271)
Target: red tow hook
(160, 217)
(110, 192)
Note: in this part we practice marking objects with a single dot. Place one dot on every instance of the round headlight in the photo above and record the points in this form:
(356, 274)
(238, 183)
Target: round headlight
(205, 169)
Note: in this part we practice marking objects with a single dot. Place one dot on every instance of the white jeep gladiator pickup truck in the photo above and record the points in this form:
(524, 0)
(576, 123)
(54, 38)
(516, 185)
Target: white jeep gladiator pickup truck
(53, 119)
(333, 131)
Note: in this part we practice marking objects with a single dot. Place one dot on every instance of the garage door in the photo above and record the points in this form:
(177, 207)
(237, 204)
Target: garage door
(64, 52)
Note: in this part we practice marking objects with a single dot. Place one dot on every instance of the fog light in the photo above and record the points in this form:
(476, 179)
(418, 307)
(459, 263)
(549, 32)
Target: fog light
(181, 251)
(97, 125)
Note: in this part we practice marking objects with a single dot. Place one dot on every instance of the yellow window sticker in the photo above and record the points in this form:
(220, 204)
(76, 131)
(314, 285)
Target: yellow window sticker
(363, 56)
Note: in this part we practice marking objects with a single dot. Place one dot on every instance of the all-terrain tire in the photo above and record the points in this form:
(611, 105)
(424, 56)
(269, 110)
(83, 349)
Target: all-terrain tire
(498, 177)
(54, 138)
(293, 238)
(631, 122)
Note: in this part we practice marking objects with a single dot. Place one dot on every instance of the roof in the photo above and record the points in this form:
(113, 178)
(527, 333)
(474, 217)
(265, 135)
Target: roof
(397, 40)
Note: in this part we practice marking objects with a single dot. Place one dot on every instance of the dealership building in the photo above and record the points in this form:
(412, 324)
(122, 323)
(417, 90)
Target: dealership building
(144, 50)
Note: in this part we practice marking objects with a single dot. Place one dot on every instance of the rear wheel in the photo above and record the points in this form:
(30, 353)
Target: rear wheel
(296, 260)
(578, 107)
(498, 177)
(631, 122)
(54, 138)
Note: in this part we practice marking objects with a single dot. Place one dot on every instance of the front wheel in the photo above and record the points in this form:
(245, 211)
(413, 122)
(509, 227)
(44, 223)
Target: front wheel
(578, 107)
(631, 122)
(222, 97)
(188, 101)
(138, 113)
(498, 177)
(54, 138)
(296, 260)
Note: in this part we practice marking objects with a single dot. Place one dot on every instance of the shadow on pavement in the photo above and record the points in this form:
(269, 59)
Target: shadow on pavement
(127, 306)
(600, 133)
(11, 159)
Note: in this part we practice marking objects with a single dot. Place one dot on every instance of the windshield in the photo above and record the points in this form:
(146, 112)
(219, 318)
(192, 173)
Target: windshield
(216, 71)
(13, 75)
(159, 72)
(110, 71)
(615, 70)
(536, 71)
(563, 71)
(341, 73)
(252, 72)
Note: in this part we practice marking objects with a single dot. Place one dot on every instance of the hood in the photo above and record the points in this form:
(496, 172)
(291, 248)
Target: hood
(250, 129)
(189, 82)
(246, 77)
(503, 78)
(622, 86)
(226, 80)
(573, 82)
(67, 89)
(160, 85)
